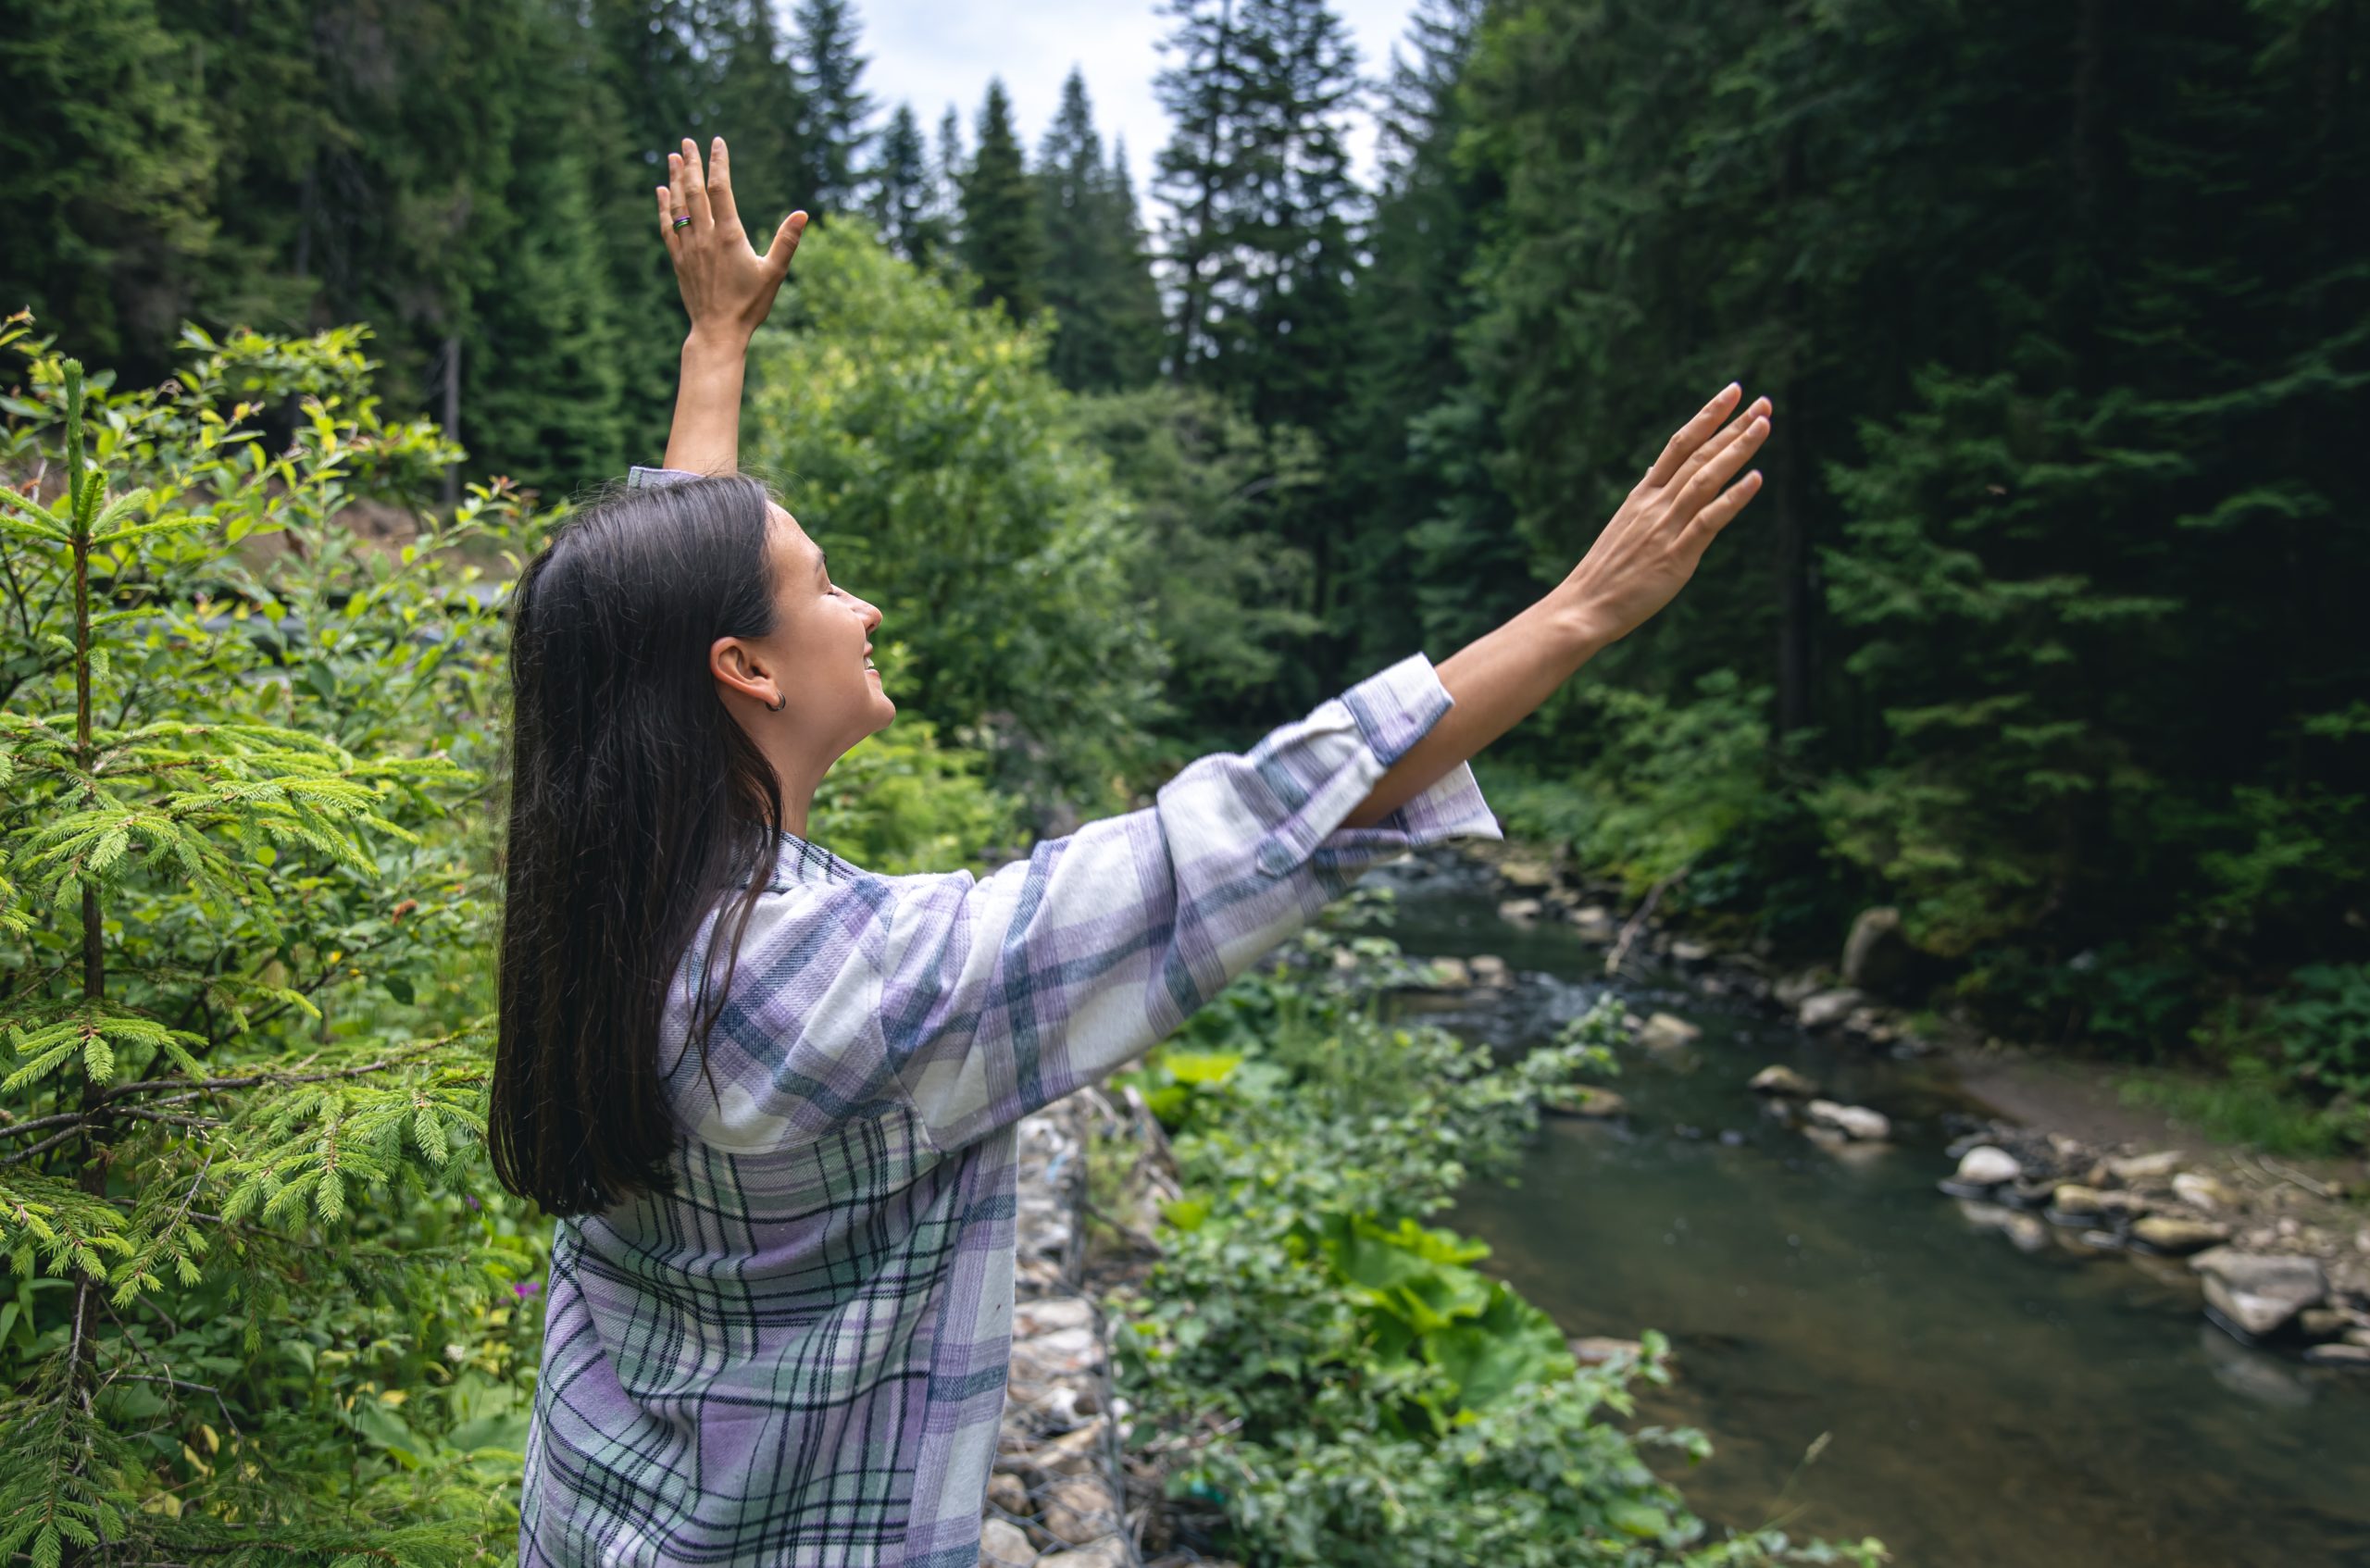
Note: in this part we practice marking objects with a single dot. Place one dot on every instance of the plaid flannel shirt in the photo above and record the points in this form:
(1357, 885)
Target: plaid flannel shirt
(796, 1358)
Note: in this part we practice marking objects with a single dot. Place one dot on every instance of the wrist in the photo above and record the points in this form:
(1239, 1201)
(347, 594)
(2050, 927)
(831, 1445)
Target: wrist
(1581, 628)
(708, 342)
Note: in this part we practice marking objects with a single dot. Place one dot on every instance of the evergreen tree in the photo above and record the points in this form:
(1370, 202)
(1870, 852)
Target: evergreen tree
(1257, 178)
(837, 111)
(1096, 277)
(761, 112)
(904, 201)
(1002, 246)
(948, 172)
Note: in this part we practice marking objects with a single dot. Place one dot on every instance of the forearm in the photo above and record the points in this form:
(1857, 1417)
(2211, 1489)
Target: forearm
(1495, 682)
(705, 437)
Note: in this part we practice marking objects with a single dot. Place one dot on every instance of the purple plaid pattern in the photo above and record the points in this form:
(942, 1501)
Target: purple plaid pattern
(797, 1357)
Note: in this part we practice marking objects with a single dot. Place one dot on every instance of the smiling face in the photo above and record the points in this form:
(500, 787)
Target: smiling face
(816, 661)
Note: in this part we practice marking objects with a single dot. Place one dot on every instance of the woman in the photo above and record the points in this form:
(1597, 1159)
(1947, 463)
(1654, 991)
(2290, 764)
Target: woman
(772, 1095)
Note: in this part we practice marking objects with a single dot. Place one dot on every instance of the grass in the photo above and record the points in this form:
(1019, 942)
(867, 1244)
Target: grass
(2248, 1107)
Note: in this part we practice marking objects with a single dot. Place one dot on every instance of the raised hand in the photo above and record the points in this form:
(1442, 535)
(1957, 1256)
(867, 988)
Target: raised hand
(728, 287)
(1649, 550)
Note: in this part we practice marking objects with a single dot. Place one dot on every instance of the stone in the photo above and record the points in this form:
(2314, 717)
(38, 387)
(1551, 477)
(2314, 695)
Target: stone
(1108, 1552)
(1487, 969)
(2354, 1358)
(1595, 1350)
(2136, 1168)
(1073, 1453)
(2258, 1293)
(1855, 1122)
(1685, 951)
(1871, 1024)
(1667, 1031)
(2178, 1235)
(2319, 1323)
(1079, 1508)
(2358, 1337)
(1519, 912)
(2200, 1191)
(1048, 1314)
(1877, 956)
(1984, 1165)
(1008, 1492)
(2029, 1232)
(1449, 974)
(1792, 991)
(2075, 1201)
(1583, 1100)
(1595, 922)
(1778, 1079)
(1983, 1215)
(1527, 876)
(1005, 1545)
(1824, 1010)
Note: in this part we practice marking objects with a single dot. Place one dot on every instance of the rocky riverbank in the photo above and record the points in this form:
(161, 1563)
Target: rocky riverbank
(2278, 1255)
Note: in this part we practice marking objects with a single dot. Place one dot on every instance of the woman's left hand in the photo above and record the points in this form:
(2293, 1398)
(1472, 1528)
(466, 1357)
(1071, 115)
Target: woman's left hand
(728, 287)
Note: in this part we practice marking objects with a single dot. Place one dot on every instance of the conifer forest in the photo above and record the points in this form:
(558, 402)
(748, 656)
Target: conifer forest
(2049, 636)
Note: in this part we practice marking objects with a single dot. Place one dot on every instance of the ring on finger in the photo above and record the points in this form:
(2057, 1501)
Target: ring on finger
(682, 223)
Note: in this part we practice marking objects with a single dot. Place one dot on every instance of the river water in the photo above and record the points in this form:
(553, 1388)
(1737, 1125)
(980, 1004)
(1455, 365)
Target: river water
(1983, 1408)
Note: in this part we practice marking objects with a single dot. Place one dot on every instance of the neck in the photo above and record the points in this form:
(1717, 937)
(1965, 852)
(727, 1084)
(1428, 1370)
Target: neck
(799, 776)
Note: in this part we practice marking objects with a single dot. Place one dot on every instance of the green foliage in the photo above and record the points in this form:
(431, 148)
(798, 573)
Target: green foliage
(1097, 279)
(1349, 1387)
(1221, 586)
(903, 801)
(925, 444)
(2247, 1102)
(241, 923)
(2324, 1028)
(1003, 244)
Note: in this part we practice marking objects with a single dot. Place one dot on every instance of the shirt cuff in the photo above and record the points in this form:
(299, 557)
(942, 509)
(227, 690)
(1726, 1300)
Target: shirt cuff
(640, 477)
(1394, 710)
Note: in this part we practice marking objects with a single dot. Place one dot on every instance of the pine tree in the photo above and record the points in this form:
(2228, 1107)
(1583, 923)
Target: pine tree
(1096, 277)
(1004, 245)
(837, 111)
(904, 203)
(761, 112)
(948, 170)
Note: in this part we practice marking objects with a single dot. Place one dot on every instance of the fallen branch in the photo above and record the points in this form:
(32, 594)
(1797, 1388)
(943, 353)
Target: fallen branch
(1630, 928)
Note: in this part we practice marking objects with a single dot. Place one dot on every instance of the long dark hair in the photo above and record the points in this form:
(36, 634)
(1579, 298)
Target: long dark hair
(636, 804)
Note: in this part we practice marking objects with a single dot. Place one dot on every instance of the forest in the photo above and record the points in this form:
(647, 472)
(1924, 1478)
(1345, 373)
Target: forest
(325, 314)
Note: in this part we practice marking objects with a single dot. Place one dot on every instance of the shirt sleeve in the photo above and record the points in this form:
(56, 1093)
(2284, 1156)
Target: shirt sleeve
(640, 477)
(1001, 996)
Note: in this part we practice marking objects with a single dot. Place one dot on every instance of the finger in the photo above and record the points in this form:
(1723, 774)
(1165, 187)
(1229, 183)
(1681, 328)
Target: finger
(1729, 432)
(1693, 434)
(680, 204)
(1707, 523)
(785, 243)
(694, 190)
(719, 184)
(666, 219)
(1699, 491)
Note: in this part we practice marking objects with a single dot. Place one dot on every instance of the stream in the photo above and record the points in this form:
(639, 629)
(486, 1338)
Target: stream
(1983, 1408)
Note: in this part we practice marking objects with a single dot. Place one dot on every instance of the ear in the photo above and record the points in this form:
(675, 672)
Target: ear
(739, 671)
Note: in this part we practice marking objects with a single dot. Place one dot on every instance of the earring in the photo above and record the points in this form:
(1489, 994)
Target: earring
(781, 702)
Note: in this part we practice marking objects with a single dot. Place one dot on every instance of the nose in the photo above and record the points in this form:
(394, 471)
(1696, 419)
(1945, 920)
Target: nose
(869, 613)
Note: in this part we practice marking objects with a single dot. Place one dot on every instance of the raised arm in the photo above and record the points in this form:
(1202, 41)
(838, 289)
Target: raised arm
(727, 288)
(1637, 565)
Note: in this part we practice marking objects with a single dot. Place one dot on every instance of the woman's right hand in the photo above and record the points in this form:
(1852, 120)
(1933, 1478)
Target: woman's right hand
(1650, 549)
(728, 287)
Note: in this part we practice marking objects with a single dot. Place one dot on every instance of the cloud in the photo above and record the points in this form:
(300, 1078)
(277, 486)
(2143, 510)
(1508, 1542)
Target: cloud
(931, 53)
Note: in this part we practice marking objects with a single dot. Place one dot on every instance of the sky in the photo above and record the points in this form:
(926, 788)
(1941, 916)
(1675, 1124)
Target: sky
(939, 52)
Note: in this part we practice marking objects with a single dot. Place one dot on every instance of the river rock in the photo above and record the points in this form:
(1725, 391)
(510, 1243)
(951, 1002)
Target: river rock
(1005, 1545)
(1667, 1031)
(1984, 1165)
(1527, 876)
(1595, 1350)
(2177, 1234)
(1079, 1510)
(2258, 1292)
(2029, 1232)
(1777, 1078)
(2319, 1323)
(1584, 1100)
(1487, 969)
(1008, 1492)
(1685, 951)
(2136, 1168)
(2354, 1358)
(2200, 1191)
(1876, 957)
(2358, 1337)
(1520, 912)
(1824, 1010)
(1855, 1122)
(1450, 974)
(1595, 922)
(2075, 1201)
(1108, 1552)
(1791, 989)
